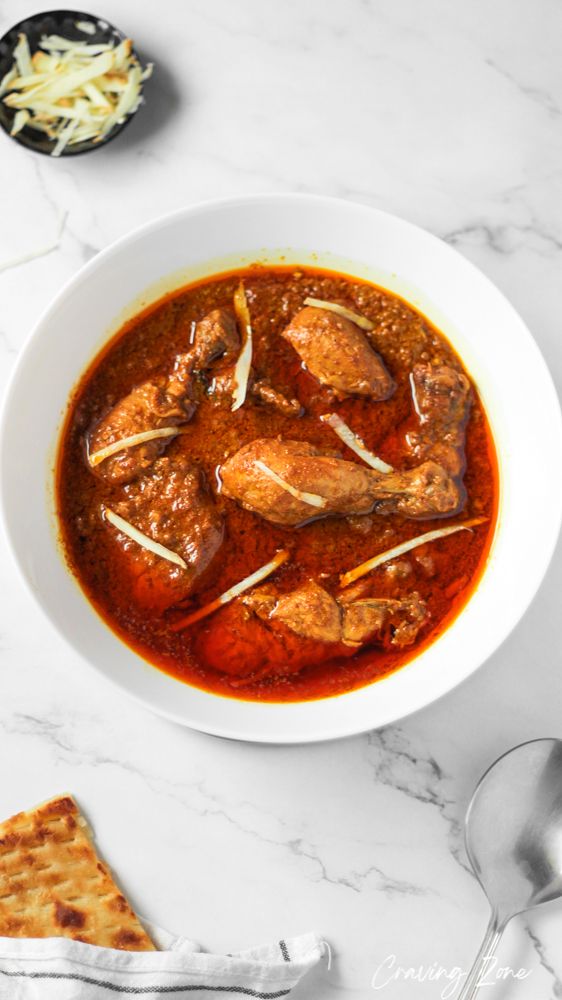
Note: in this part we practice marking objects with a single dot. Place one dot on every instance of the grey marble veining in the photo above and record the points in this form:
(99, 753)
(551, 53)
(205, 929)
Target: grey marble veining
(448, 114)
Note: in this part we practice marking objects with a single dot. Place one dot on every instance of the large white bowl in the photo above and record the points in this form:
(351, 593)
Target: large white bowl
(490, 337)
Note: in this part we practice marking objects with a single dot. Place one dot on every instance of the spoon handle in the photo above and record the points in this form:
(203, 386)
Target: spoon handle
(487, 949)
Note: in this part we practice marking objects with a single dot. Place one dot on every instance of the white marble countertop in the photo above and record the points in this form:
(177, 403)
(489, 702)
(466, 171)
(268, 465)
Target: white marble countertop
(449, 115)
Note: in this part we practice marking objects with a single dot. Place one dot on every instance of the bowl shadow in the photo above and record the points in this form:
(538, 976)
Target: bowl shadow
(162, 100)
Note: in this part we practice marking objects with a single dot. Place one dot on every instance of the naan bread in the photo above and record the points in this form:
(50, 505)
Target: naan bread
(52, 883)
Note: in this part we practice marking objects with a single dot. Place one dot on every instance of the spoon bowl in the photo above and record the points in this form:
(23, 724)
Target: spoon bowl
(514, 838)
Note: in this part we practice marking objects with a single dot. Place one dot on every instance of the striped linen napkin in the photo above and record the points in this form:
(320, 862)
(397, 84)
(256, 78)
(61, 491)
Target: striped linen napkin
(62, 969)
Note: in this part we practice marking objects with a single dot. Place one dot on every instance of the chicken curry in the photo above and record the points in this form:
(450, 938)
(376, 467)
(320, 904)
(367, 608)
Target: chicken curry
(277, 484)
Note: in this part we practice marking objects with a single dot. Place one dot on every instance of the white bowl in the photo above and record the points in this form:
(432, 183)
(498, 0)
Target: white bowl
(491, 338)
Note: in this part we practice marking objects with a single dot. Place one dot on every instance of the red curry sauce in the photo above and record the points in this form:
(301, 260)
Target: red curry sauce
(445, 573)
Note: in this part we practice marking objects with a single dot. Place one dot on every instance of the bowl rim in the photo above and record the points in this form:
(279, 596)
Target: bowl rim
(512, 615)
(117, 128)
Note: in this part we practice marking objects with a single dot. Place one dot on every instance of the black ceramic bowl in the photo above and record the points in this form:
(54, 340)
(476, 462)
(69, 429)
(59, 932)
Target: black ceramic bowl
(55, 22)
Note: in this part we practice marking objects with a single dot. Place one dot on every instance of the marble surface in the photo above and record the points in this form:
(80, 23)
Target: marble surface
(448, 114)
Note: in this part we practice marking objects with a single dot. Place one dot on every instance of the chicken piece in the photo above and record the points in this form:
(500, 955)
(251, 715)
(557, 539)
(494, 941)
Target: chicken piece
(310, 611)
(442, 399)
(266, 635)
(338, 354)
(163, 401)
(423, 492)
(345, 487)
(149, 406)
(368, 616)
(216, 336)
(222, 387)
(313, 613)
(289, 407)
(173, 506)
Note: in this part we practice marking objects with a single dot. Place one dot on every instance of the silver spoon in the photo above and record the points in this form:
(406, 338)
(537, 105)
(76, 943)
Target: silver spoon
(513, 833)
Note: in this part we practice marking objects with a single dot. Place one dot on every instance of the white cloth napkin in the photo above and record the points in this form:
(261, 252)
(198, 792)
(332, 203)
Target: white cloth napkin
(61, 969)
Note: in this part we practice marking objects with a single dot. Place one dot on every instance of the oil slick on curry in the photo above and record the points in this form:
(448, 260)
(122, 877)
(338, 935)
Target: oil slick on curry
(277, 485)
